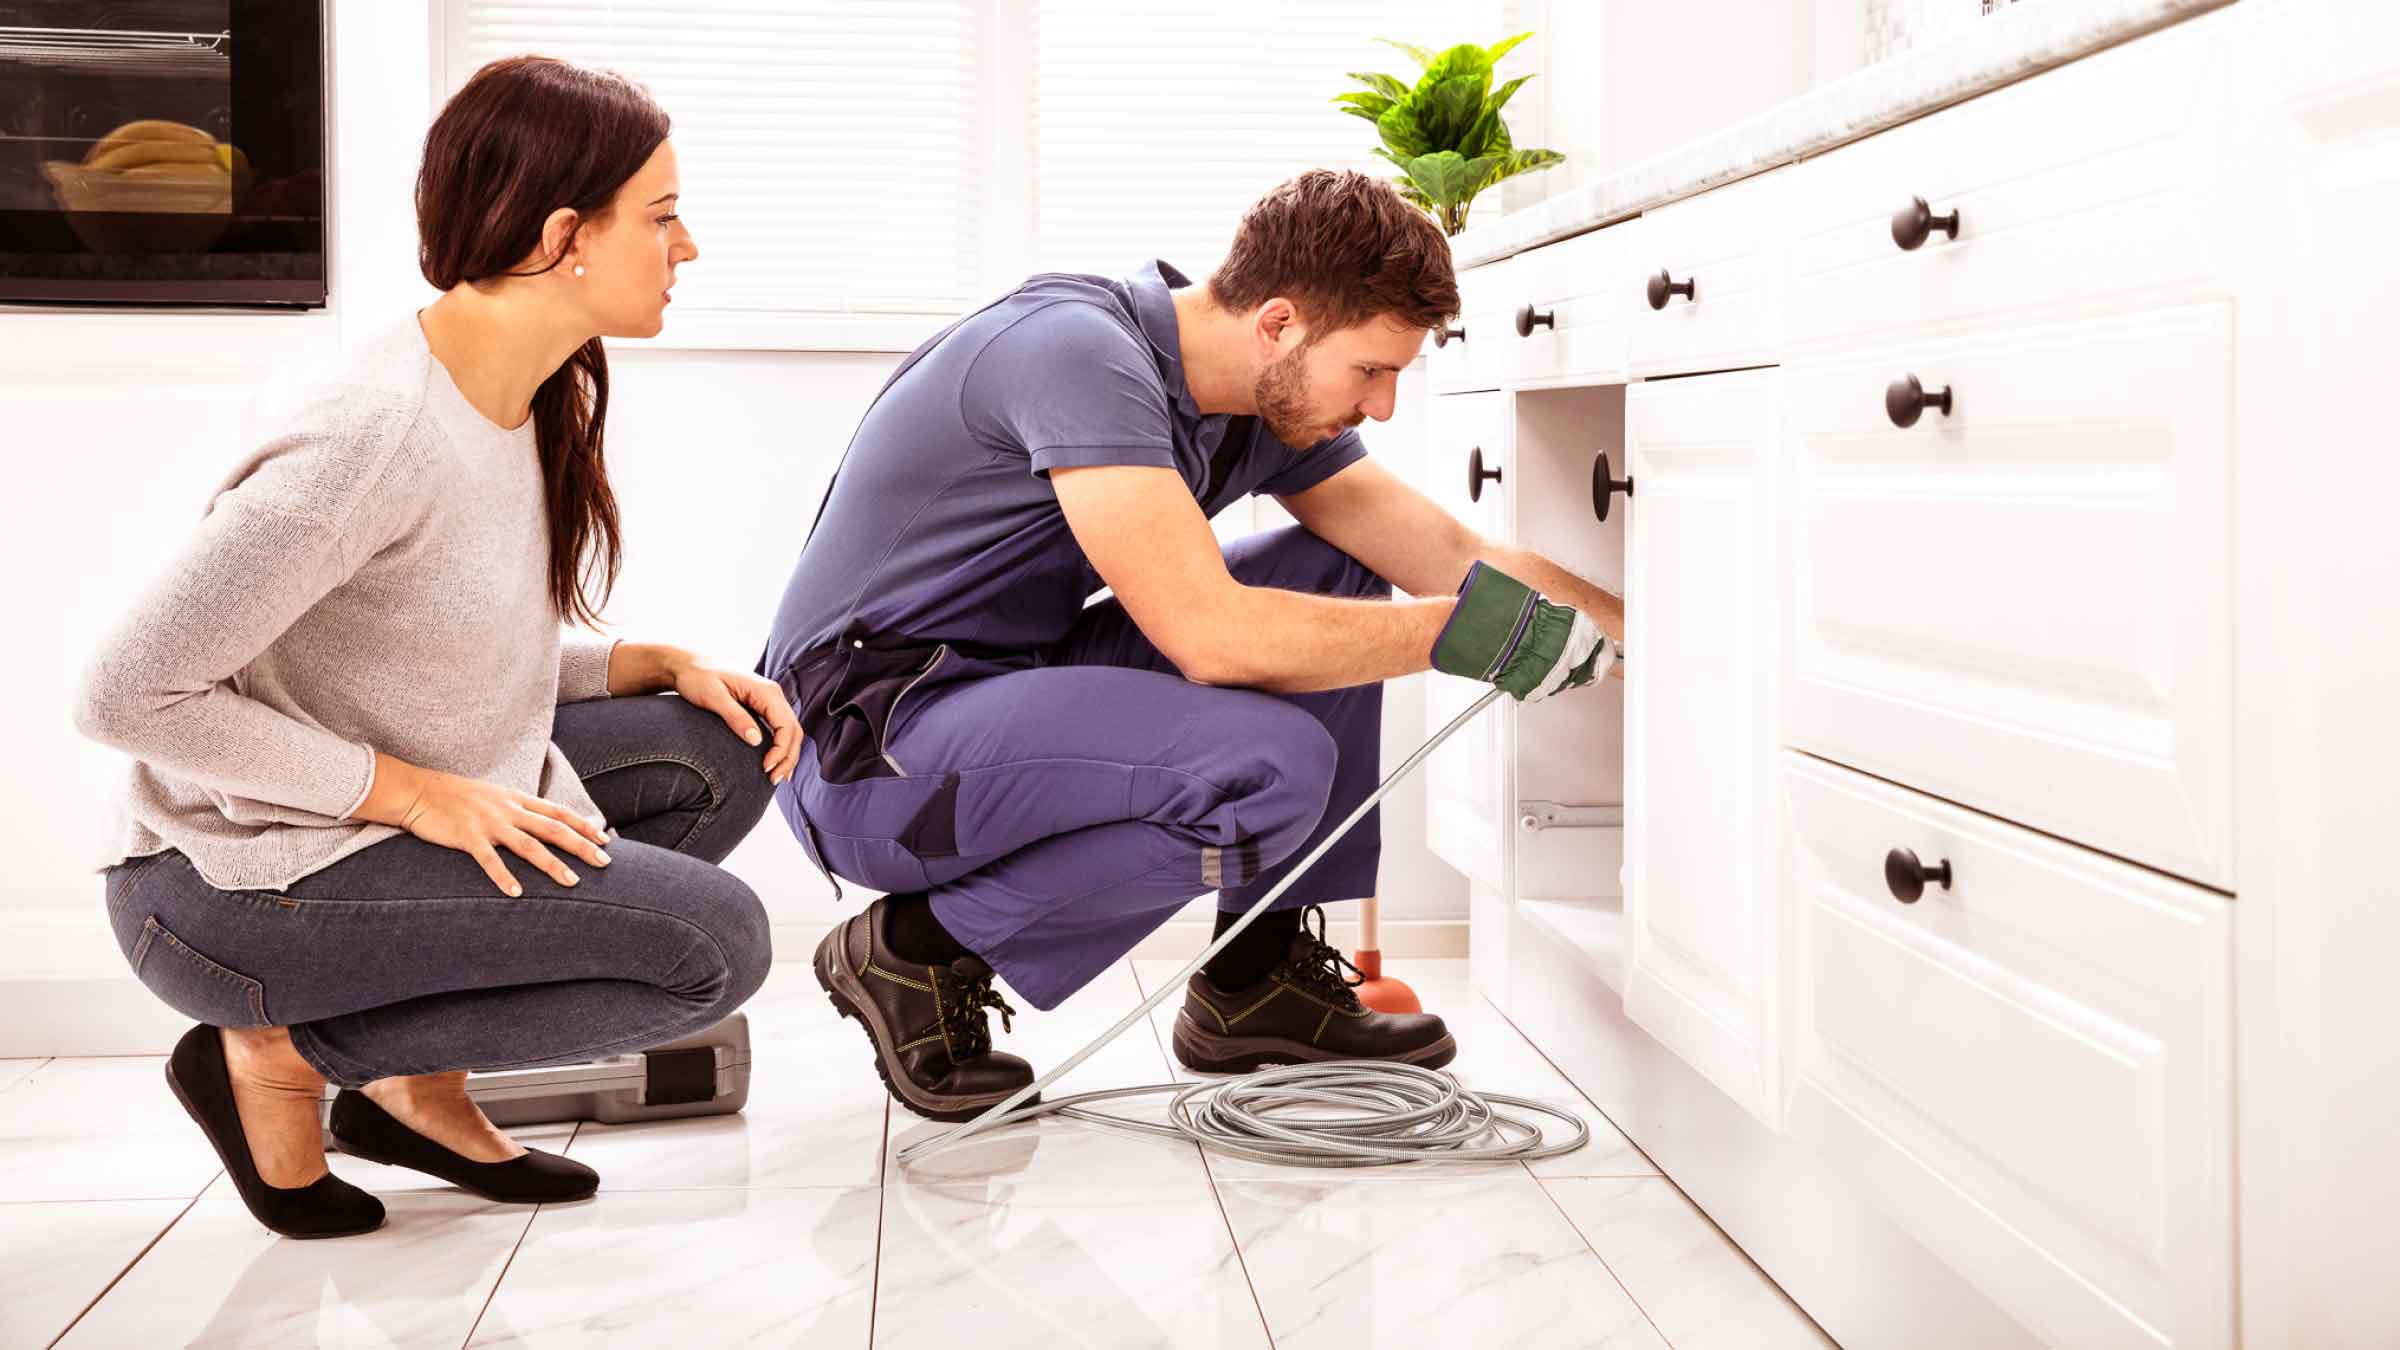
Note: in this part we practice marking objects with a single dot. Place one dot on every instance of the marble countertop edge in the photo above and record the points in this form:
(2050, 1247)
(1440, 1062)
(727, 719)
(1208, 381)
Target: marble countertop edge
(1999, 50)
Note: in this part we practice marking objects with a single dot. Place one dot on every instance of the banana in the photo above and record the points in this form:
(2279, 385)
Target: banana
(151, 129)
(155, 152)
(195, 172)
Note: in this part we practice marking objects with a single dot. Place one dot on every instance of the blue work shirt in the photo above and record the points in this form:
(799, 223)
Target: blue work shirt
(942, 525)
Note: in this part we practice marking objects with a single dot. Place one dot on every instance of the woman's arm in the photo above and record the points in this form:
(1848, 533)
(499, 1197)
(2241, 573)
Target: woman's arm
(286, 531)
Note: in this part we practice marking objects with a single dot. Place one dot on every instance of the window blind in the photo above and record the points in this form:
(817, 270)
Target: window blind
(829, 151)
(1157, 123)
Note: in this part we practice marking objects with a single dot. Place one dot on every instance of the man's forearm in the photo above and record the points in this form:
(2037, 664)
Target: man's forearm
(1560, 586)
(1295, 642)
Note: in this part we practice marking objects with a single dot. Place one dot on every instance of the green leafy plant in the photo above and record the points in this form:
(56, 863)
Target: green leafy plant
(1445, 131)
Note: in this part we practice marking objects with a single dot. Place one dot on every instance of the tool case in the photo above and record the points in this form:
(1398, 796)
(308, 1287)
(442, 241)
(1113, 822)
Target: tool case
(703, 1074)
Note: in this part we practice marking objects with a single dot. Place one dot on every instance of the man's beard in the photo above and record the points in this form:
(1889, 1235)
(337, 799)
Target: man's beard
(1281, 392)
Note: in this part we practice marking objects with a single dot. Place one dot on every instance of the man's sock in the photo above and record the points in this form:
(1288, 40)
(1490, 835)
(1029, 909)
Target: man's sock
(1247, 959)
(916, 934)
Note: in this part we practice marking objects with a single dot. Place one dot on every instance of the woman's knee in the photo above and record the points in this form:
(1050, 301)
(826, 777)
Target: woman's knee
(735, 921)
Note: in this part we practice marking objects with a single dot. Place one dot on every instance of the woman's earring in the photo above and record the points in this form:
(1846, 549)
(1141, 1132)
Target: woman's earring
(579, 269)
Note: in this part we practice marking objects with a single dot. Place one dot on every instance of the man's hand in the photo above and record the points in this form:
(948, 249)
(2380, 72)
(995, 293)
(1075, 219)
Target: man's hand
(1503, 632)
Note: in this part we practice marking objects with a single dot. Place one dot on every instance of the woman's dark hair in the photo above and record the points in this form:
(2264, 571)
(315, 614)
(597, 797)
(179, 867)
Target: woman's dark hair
(524, 137)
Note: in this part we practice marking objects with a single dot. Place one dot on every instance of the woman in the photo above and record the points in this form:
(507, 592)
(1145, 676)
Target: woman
(369, 836)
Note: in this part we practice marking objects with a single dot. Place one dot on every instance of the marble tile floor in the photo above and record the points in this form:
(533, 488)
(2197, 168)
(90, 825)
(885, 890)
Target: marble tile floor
(791, 1224)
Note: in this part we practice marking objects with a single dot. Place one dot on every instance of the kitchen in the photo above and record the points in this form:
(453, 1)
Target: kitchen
(1948, 940)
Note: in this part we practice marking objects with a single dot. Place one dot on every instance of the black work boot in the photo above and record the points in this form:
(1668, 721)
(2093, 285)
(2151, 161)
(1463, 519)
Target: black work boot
(1302, 1011)
(933, 1046)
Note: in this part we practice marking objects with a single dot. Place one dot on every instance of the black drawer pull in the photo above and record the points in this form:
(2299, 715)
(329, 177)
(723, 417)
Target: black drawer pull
(1603, 486)
(1906, 400)
(1663, 286)
(1914, 223)
(1476, 473)
(1529, 319)
(1907, 876)
(1442, 336)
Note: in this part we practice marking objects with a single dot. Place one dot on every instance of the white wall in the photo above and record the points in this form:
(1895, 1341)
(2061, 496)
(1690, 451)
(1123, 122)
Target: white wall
(117, 425)
(1623, 80)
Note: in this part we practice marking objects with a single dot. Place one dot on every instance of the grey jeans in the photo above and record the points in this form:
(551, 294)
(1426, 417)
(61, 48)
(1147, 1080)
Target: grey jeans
(404, 958)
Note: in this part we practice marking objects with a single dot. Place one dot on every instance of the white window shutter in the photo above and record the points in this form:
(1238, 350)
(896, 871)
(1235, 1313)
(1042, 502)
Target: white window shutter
(830, 152)
(1158, 123)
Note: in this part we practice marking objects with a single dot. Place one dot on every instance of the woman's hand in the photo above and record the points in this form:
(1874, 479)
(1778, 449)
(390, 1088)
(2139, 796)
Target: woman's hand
(733, 696)
(479, 819)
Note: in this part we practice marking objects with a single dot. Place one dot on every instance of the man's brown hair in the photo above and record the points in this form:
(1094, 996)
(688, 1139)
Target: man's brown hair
(1345, 248)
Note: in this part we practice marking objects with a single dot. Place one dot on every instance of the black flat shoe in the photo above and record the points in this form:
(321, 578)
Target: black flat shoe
(326, 1207)
(365, 1130)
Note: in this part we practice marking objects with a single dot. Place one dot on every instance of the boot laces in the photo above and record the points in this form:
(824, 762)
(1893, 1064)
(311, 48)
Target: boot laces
(1319, 965)
(966, 1030)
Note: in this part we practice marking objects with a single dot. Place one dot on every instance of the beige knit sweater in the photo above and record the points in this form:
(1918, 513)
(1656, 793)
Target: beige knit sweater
(374, 577)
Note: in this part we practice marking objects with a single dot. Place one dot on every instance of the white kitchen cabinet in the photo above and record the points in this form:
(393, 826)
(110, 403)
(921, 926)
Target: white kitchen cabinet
(1466, 797)
(2098, 185)
(1701, 923)
(1710, 294)
(2024, 604)
(2021, 1048)
(2318, 667)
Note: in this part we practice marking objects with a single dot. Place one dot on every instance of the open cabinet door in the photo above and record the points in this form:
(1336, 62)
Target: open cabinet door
(1702, 928)
(1466, 797)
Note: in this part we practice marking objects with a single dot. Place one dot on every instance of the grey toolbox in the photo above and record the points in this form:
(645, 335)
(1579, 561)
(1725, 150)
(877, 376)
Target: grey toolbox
(704, 1074)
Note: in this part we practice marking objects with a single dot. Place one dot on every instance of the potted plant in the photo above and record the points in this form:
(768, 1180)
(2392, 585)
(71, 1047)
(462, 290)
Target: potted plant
(1445, 131)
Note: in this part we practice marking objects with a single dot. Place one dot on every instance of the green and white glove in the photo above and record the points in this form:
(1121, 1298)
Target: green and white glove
(1503, 632)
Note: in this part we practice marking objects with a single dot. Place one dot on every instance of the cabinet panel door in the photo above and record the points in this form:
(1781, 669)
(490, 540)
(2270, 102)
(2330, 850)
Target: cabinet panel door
(2026, 1064)
(2023, 604)
(1702, 928)
(1466, 800)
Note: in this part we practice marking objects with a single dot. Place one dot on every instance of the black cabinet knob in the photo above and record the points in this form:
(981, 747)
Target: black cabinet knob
(1906, 400)
(1476, 473)
(1442, 336)
(1907, 876)
(1604, 486)
(1529, 319)
(1914, 223)
(1663, 286)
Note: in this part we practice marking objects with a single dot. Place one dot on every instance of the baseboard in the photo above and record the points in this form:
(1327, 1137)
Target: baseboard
(66, 992)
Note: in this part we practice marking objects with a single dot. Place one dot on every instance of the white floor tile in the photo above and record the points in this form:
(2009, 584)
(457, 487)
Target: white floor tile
(1699, 1288)
(1484, 1260)
(100, 1129)
(816, 1117)
(718, 1267)
(15, 1071)
(55, 1258)
(218, 1278)
(1036, 1266)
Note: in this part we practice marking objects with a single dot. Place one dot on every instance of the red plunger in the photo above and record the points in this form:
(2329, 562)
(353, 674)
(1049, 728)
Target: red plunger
(1377, 990)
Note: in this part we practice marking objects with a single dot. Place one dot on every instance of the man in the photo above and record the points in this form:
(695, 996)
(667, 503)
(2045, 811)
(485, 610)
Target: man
(1038, 784)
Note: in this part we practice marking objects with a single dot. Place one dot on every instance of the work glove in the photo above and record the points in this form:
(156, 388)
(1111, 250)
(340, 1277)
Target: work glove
(1503, 632)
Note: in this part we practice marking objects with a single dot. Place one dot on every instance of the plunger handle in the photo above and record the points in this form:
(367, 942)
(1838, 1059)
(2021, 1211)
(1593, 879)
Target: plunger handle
(1370, 924)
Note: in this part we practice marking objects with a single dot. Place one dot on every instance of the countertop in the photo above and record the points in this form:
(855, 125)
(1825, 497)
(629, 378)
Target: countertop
(1995, 50)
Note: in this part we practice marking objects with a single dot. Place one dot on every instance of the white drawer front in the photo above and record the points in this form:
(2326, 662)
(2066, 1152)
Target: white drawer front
(2092, 182)
(2028, 1067)
(1727, 245)
(1582, 285)
(2024, 605)
(1471, 359)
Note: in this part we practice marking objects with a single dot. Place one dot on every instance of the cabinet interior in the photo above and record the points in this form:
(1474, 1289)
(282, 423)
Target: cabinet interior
(1570, 750)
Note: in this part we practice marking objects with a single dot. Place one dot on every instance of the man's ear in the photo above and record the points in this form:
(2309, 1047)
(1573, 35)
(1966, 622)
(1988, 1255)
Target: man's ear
(1274, 321)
